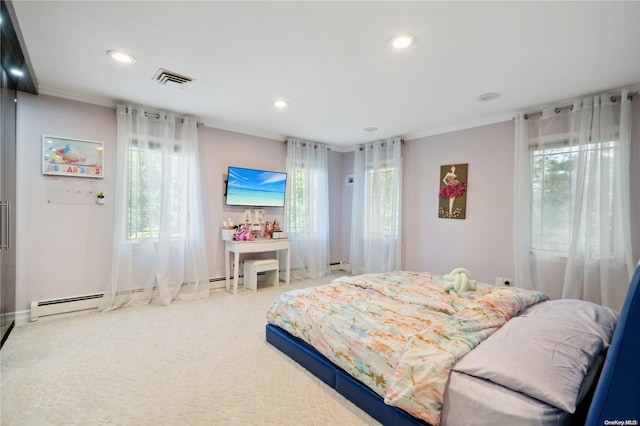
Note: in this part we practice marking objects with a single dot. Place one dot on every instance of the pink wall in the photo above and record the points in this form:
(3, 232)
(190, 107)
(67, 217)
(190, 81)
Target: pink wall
(220, 149)
(347, 199)
(483, 242)
(336, 207)
(63, 250)
(71, 243)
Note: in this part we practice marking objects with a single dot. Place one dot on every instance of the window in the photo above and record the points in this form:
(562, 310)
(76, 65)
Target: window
(553, 193)
(382, 215)
(298, 212)
(155, 177)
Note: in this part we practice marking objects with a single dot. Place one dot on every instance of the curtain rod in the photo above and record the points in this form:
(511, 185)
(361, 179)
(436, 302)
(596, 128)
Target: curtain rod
(383, 144)
(157, 115)
(570, 107)
(305, 144)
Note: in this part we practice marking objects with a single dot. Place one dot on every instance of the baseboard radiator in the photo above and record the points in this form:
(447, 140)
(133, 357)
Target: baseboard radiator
(92, 301)
(65, 305)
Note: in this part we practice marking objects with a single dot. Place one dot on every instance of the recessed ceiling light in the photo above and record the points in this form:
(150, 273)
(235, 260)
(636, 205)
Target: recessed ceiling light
(402, 41)
(370, 129)
(17, 72)
(120, 56)
(280, 103)
(488, 97)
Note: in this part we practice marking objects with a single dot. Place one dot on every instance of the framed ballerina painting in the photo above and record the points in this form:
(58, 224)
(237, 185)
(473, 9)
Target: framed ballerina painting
(453, 191)
(72, 157)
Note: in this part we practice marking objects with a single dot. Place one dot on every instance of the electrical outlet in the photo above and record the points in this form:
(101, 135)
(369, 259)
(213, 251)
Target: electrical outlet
(503, 282)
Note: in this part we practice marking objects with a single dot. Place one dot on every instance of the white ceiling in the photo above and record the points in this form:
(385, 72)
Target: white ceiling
(331, 60)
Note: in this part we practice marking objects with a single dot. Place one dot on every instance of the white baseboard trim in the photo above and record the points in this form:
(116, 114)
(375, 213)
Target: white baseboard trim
(340, 266)
(23, 317)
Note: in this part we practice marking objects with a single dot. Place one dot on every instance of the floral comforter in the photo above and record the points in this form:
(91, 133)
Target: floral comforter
(398, 333)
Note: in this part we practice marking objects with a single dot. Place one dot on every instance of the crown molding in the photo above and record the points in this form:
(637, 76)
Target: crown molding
(94, 100)
(243, 130)
(461, 126)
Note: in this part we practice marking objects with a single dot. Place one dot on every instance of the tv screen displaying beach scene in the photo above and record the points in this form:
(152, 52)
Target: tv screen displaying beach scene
(255, 188)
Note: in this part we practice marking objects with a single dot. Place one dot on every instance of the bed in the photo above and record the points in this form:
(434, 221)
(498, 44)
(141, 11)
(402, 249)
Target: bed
(407, 352)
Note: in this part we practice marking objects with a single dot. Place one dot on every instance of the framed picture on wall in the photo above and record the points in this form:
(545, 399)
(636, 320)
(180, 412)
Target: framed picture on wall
(453, 191)
(72, 157)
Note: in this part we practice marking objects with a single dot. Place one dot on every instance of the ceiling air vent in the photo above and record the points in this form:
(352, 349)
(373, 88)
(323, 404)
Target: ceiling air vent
(170, 78)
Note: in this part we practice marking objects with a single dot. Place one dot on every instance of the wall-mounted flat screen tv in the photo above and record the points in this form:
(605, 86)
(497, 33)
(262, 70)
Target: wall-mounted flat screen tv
(255, 188)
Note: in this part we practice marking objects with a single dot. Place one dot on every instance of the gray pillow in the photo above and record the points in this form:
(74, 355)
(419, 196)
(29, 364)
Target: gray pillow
(585, 316)
(545, 358)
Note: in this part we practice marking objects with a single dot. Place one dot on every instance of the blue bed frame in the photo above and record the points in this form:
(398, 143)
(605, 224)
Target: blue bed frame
(617, 395)
(615, 398)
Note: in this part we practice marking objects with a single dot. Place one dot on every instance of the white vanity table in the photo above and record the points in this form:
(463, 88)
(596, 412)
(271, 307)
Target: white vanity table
(255, 246)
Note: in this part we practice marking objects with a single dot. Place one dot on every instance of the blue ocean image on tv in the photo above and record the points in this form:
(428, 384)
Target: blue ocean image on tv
(257, 188)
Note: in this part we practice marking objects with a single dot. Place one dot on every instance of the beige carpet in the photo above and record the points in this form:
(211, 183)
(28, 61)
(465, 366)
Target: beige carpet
(191, 363)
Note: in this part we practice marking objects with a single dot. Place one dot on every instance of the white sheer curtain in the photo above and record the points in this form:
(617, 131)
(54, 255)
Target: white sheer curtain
(306, 215)
(377, 203)
(158, 243)
(572, 214)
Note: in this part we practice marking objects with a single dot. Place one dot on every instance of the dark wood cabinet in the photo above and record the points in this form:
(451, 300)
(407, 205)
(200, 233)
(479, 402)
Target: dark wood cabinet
(13, 57)
(7, 206)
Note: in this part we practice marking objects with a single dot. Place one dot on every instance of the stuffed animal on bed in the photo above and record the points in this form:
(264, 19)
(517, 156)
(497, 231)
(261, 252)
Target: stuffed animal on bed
(458, 281)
